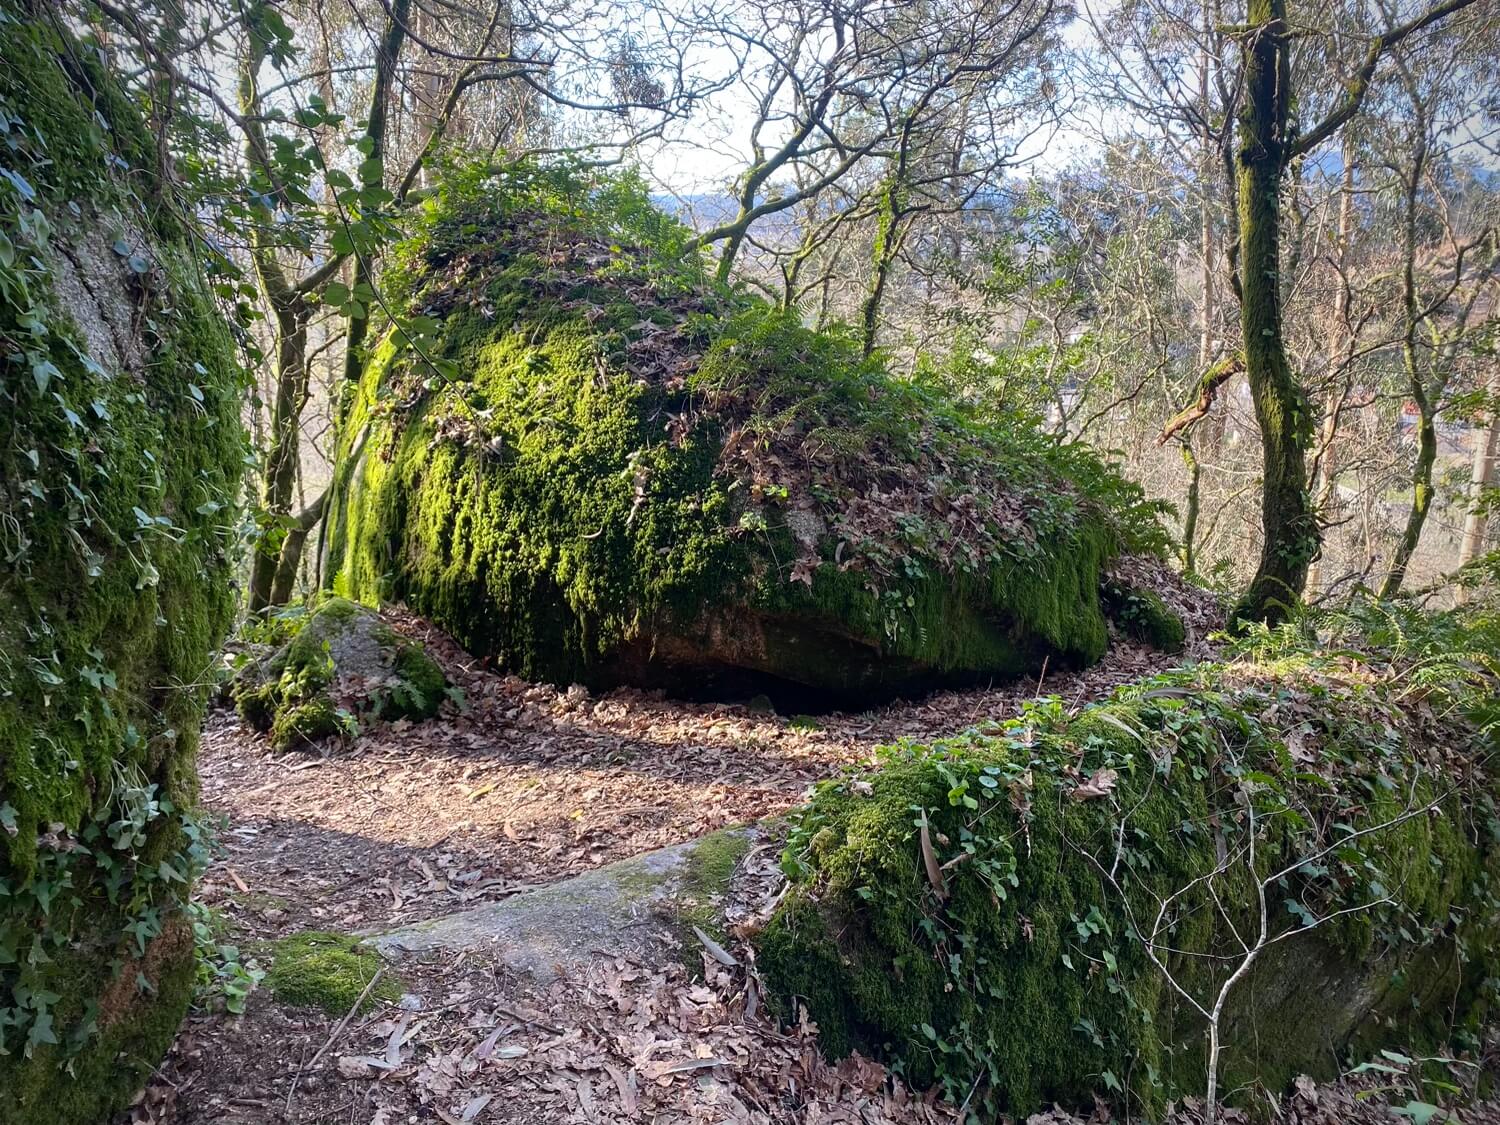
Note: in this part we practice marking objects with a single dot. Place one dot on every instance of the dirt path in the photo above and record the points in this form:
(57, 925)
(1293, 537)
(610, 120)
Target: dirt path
(526, 785)
(523, 786)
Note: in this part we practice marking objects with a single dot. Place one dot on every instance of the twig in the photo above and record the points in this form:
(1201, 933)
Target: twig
(332, 1039)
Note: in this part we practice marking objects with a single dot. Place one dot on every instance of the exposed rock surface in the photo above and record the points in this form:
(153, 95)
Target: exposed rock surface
(598, 467)
(639, 908)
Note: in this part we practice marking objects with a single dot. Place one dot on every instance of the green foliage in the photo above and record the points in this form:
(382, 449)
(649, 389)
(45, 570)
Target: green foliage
(323, 970)
(120, 455)
(225, 976)
(1010, 964)
(593, 446)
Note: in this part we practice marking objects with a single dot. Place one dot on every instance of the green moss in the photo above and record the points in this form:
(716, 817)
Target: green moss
(576, 486)
(421, 684)
(709, 869)
(299, 724)
(120, 456)
(316, 969)
(1025, 981)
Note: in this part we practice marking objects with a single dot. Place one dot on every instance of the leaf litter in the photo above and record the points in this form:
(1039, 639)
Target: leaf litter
(525, 785)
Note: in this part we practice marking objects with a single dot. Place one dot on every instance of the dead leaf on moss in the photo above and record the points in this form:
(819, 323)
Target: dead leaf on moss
(1101, 784)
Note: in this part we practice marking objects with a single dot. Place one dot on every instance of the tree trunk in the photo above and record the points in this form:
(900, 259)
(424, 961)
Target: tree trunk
(1190, 517)
(380, 94)
(1288, 524)
(286, 446)
(1421, 503)
(1482, 477)
(887, 242)
(292, 549)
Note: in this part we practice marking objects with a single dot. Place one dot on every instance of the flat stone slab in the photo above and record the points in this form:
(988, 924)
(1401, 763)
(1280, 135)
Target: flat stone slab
(630, 908)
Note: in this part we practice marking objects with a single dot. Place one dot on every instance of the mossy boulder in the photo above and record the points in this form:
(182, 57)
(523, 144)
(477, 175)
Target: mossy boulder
(338, 665)
(120, 456)
(584, 460)
(978, 910)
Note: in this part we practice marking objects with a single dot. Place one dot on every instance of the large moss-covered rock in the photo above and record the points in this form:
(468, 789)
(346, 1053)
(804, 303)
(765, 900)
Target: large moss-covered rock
(594, 466)
(977, 910)
(120, 452)
(339, 666)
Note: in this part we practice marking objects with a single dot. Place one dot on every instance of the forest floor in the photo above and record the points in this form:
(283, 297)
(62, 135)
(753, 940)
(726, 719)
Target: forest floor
(523, 786)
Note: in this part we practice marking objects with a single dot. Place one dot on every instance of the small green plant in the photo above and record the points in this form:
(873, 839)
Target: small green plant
(1416, 1079)
(225, 975)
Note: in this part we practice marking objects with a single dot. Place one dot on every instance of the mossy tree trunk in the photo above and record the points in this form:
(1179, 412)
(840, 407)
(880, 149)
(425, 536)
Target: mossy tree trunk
(293, 301)
(1442, 322)
(1481, 480)
(1289, 529)
(1266, 149)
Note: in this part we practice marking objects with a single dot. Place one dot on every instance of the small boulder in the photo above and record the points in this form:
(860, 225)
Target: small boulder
(343, 663)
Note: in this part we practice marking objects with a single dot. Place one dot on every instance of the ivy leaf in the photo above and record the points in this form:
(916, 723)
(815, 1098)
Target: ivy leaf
(28, 193)
(1421, 1112)
(41, 1032)
(337, 293)
(1301, 913)
(44, 371)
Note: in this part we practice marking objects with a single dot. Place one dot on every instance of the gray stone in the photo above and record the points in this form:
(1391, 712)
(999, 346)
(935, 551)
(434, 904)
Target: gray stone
(638, 908)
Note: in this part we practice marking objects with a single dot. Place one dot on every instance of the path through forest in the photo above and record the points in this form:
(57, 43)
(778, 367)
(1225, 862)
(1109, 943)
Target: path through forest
(523, 786)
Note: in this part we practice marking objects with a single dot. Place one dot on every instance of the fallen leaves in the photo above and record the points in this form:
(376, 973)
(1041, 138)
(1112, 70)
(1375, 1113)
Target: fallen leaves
(1100, 784)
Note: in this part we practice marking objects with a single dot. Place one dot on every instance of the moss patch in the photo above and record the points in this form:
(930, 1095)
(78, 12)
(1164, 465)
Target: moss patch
(621, 473)
(316, 969)
(1017, 972)
(707, 873)
(1144, 616)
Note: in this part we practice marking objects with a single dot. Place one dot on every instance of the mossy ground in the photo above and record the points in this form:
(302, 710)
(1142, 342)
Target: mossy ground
(291, 693)
(1144, 616)
(120, 456)
(1024, 980)
(317, 969)
(613, 451)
